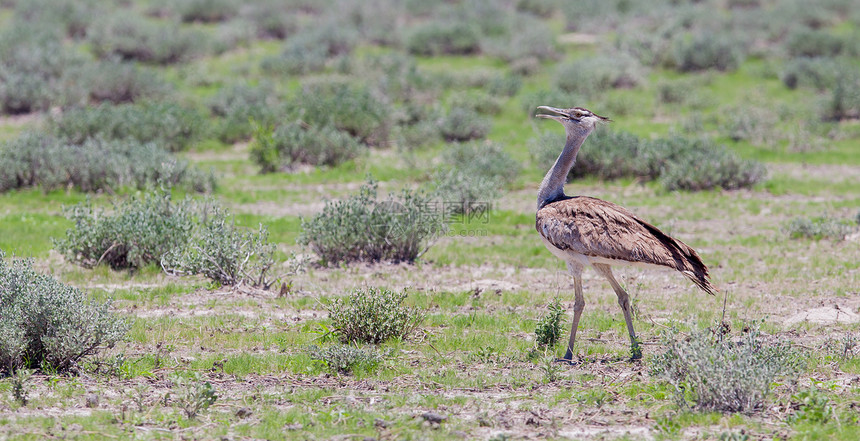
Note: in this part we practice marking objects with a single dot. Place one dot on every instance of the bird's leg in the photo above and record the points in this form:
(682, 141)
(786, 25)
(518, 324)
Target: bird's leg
(624, 302)
(578, 305)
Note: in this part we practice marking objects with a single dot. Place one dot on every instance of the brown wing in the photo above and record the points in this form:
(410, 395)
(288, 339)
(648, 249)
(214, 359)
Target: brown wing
(598, 228)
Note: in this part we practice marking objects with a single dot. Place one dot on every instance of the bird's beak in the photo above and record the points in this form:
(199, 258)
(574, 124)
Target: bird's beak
(559, 113)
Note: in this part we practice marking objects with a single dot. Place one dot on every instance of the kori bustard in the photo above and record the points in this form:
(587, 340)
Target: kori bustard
(585, 231)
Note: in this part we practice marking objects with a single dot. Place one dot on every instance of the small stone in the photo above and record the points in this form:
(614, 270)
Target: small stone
(433, 417)
(243, 412)
(92, 400)
(379, 422)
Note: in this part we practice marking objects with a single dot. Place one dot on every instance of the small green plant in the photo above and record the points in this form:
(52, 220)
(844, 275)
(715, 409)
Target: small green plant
(549, 327)
(363, 228)
(345, 358)
(551, 369)
(45, 324)
(734, 436)
(141, 230)
(711, 372)
(223, 252)
(811, 406)
(818, 228)
(192, 394)
(21, 385)
(373, 315)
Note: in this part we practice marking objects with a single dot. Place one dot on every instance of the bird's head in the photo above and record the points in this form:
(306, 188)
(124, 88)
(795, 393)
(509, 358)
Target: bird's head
(574, 119)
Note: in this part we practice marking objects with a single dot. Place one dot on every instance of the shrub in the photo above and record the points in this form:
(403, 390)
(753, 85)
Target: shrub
(117, 82)
(362, 228)
(549, 327)
(545, 97)
(473, 175)
(441, 38)
(46, 324)
(680, 163)
(704, 165)
(297, 143)
(844, 99)
(271, 19)
(134, 38)
(240, 106)
(805, 42)
(476, 101)
(710, 372)
(707, 51)
(526, 39)
(462, 124)
(73, 17)
(207, 11)
(345, 106)
(598, 73)
(373, 315)
(818, 228)
(504, 85)
(223, 252)
(820, 73)
(49, 162)
(169, 125)
(540, 8)
(310, 48)
(140, 230)
(34, 63)
(346, 358)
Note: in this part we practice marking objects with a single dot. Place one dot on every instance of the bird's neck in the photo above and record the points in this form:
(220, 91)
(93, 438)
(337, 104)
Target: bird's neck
(552, 187)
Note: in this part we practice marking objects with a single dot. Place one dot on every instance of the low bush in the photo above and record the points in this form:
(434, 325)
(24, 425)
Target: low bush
(95, 165)
(477, 101)
(310, 48)
(844, 99)
(549, 327)
(805, 42)
(117, 82)
(344, 359)
(363, 228)
(679, 163)
(373, 315)
(140, 230)
(540, 8)
(348, 107)
(549, 97)
(223, 252)
(240, 107)
(461, 124)
(444, 38)
(296, 142)
(710, 371)
(707, 51)
(134, 38)
(599, 73)
(271, 19)
(192, 394)
(527, 39)
(207, 11)
(34, 63)
(819, 73)
(73, 17)
(472, 176)
(818, 228)
(168, 125)
(47, 324)
(504, 85)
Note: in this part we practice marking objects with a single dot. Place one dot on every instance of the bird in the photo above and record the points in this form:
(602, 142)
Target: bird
(588, 232)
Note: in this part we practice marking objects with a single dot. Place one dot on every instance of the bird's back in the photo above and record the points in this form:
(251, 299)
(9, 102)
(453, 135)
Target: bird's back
(607, 232)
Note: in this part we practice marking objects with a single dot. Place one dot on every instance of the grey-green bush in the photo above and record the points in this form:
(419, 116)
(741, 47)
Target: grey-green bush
(310, 48)
(819, 73)
(473, 175)
(805, 42)
(844, 99)
(702, 165)
(207, 11)
(47, 324)
(240, 106)
(296, 142)
(549, 97)
(131, 37)
(462, 124)
(345, 358)
(373, 315)
(140, 230)
(824, 227)
(707, 50)
(223, 252)
(349, 107)
(444, 38)
(168, 125)
(709, 371)
(598, 73)
(364, 228)
(117, 82)
(49, 162)
(73, 17)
